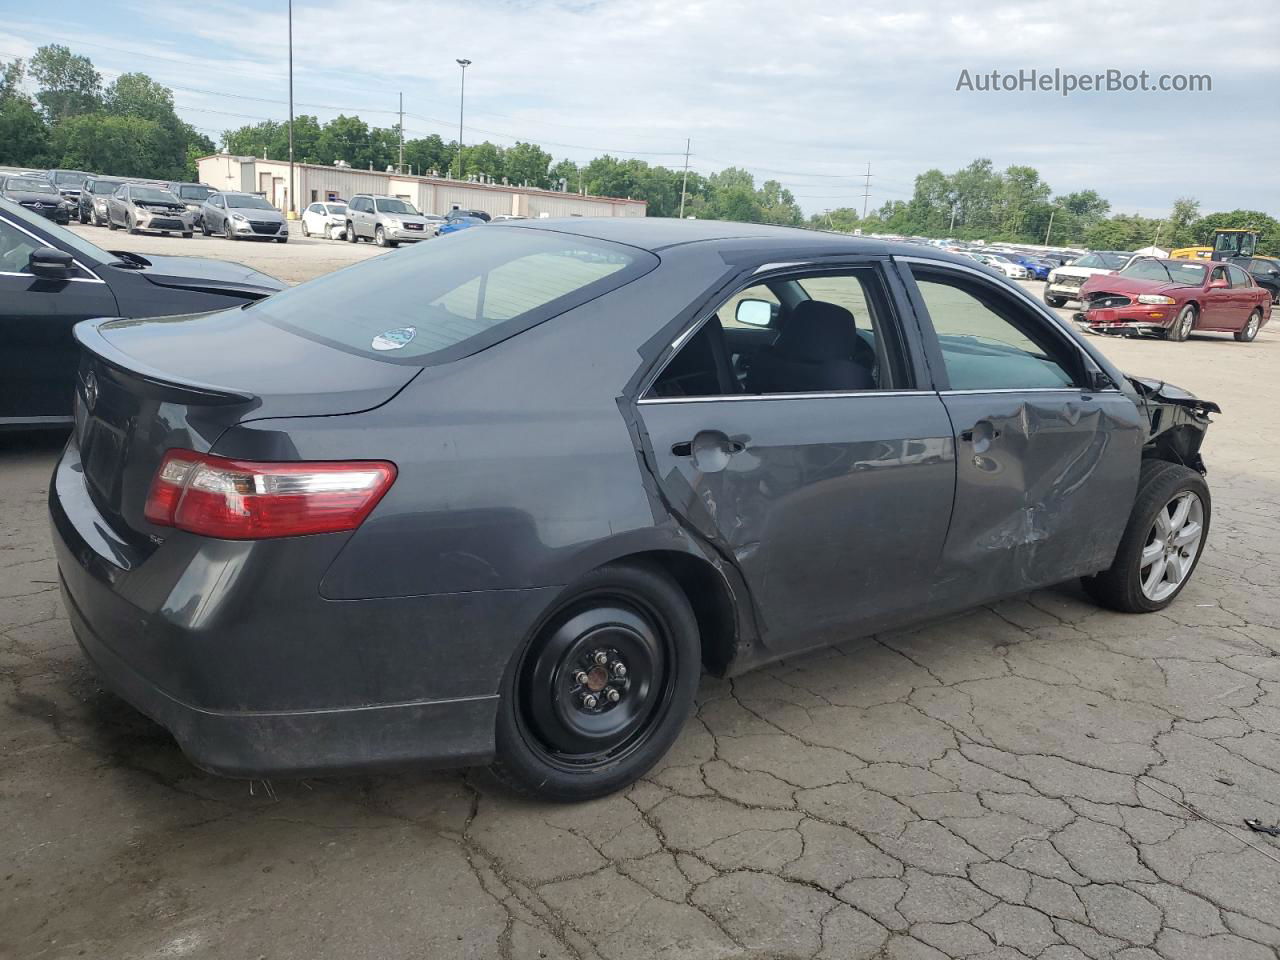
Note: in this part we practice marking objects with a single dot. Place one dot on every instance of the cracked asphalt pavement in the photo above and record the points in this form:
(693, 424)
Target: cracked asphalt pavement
(1033, 779)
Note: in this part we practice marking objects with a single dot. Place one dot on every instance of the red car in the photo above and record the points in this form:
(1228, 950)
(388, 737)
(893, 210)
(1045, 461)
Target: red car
(1171, 298)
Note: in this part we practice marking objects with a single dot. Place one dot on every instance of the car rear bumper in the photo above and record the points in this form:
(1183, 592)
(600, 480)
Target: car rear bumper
(256, 674)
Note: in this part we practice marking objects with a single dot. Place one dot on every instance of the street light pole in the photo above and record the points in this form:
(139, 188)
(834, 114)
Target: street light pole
(293, 209)
(1052, 211)
(462, 99)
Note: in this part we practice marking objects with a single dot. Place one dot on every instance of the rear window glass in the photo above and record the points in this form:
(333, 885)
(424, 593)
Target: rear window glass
(454, 296)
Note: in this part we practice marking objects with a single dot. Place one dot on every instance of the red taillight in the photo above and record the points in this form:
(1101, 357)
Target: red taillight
(247, 500)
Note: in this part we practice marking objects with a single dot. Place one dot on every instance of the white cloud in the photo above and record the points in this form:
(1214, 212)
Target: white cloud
(805, 87)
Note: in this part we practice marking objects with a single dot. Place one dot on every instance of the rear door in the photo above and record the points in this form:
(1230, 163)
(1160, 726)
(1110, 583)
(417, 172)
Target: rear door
(830, 500)
(1243, 300)
(1046, 465)
(38, 355)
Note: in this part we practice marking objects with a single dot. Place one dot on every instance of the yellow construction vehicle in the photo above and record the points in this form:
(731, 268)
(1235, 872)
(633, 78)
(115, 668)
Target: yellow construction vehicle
(1228, 244)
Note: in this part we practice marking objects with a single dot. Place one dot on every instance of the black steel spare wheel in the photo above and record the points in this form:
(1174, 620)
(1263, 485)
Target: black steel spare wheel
(602, 690)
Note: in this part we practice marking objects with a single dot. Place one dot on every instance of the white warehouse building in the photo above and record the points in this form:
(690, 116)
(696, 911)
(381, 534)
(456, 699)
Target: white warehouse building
(315, 183)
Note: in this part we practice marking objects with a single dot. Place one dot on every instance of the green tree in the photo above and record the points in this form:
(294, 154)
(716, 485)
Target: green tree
(69, 85)
(483, 158)
(11, 76)
(24, 135)
(122, 146)
(565, 170)
(976, 191)
(527, 163)
(345, 138)
(426, 154)
(1021, 192)
(268, 138)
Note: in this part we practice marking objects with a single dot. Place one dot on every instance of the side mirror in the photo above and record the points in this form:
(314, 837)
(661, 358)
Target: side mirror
(754, 313)
(50, 263)
(1218, 284)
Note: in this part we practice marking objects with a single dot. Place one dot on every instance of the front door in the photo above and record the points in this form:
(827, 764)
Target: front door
(39, 356)
(1046, 466)
(823, 471)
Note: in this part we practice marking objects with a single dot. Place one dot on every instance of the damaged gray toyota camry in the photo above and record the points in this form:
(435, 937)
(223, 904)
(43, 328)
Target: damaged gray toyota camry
(502, 497)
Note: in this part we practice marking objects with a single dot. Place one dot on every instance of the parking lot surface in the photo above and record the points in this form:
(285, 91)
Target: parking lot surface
(1037, 778)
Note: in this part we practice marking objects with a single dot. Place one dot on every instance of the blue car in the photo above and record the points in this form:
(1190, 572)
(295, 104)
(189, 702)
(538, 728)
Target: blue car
(459, 223)
(1039, 269)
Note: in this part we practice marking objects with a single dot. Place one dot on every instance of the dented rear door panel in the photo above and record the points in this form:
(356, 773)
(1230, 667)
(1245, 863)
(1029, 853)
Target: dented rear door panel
(1045, 480)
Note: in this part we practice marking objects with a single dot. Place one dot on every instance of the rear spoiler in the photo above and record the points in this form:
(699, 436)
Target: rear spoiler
(88, 334)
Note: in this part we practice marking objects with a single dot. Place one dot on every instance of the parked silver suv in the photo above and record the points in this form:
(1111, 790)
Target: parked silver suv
(387, 221)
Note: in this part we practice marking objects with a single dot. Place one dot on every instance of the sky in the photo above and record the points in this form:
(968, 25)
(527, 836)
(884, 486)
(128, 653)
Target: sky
(807, 92)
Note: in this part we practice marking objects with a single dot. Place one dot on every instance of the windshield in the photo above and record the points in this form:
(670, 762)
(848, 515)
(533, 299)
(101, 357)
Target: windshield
(394, 206)
(106, 186)
(68, 177)
(62, 235)
(336, 207)
(195, 191)
(28, 185)
(152, 195)
(243, 201)
(1101, 261)
(440, 301)
(1186, 274)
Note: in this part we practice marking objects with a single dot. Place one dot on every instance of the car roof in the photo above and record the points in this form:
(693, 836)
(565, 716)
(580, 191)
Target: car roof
(661, 233)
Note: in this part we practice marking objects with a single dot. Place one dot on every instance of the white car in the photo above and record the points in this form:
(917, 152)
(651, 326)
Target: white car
(325, 220)
(1064, 282)
(1014, 271)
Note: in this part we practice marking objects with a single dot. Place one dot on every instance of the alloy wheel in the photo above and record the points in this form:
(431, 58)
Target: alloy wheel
(1173, 544)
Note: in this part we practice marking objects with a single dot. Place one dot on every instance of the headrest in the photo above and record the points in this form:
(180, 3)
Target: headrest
(817, 331)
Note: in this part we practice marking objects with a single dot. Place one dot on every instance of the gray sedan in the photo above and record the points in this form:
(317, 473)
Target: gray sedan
(502, 498)
(240, 216)
(137, 207)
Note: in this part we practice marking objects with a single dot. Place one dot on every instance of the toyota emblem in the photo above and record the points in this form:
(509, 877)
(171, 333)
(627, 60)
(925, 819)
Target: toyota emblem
(90, 390)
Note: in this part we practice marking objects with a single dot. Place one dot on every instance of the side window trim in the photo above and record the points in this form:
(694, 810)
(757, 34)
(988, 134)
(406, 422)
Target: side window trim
(90, 276)
(782, 271)
(933, 351)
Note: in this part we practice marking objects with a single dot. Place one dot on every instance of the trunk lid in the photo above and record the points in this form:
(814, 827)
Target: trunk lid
(147, 386)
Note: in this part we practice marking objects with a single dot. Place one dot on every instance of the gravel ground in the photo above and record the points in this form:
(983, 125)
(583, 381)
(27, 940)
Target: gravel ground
(1034, 779)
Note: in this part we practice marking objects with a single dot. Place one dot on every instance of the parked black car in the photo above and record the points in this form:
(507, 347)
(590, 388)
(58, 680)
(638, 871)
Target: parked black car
(68, 182)
(191, 194)
(50, 279)
(91, 205)
(458, 213)
(1266, 273)
(505, 495)
(37, 195)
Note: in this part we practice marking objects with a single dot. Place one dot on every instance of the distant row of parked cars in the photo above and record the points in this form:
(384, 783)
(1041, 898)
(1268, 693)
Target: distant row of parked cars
(387, 221)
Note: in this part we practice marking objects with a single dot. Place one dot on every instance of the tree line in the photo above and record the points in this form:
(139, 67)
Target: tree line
(1015, 205)
(129, 128)
(126, 128)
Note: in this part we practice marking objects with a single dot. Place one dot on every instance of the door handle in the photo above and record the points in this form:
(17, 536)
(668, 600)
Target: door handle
(981, 435)
(710, 450)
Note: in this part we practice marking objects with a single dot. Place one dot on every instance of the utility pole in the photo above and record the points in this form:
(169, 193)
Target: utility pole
(462, 98)
(400, 165)
(866, 192)
(951, 229)
(1052, 211)
(293, 208)
(684, 184)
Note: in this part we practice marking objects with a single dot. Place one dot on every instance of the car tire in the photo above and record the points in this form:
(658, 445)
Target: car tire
(204, 227)
(80, 215)
(111, 224)
(282, 239)
(1182, 324)
(131, 226)
(379, 237)
(227, 232)
(303, 227)
(553, 742)
(1132, 585)
(1055, 302)
(351, 233)
(1250, 329)
(188, 234)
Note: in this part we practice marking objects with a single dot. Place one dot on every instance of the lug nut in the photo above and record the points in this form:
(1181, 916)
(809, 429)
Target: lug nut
(590, 701)
(619, 669)
(613, 695)
(580, 678)
(601, 657)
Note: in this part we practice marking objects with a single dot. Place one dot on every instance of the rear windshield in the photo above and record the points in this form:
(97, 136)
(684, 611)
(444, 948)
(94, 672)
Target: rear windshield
(454, 296)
